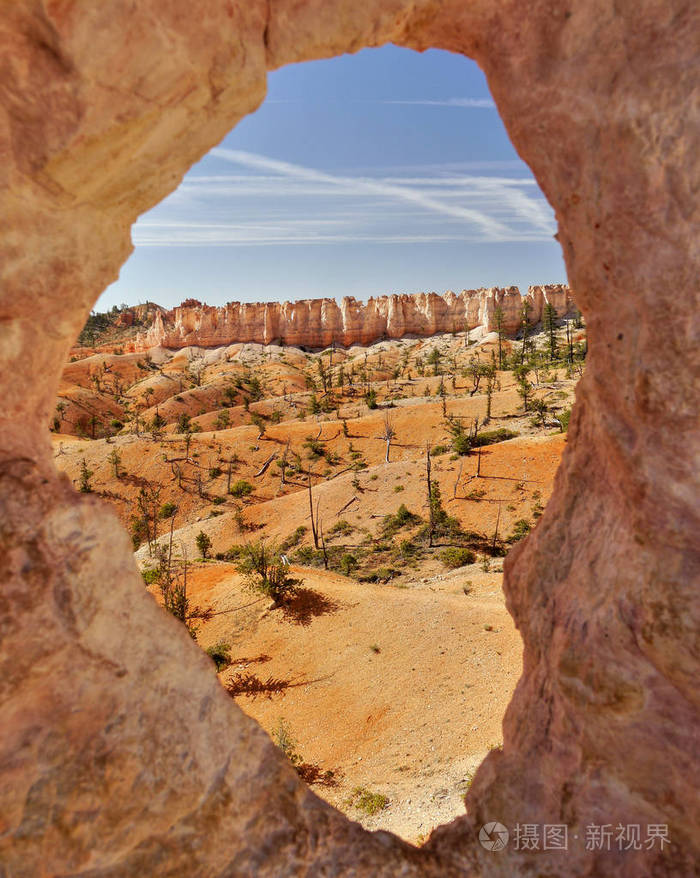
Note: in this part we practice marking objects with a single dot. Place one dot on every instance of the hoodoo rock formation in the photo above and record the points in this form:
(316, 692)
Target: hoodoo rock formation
(319, 322)
(120, 754)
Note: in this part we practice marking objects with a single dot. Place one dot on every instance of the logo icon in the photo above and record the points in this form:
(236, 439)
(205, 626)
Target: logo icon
(493, 836)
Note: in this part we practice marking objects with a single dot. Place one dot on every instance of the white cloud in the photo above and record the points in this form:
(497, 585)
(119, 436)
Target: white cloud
(468, 103)
(460, 167)
(491, 228)
(277, 202)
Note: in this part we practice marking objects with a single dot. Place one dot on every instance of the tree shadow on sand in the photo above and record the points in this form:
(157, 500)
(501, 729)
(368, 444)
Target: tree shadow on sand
(307, 604)
(252, 686)
(311, 773)
(244, 683)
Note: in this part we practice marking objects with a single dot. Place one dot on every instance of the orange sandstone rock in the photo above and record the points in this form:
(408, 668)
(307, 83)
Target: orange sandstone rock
(120, 754)
(319, 322)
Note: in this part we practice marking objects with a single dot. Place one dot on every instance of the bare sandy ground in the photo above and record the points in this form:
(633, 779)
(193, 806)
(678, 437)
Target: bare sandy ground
(397, 690)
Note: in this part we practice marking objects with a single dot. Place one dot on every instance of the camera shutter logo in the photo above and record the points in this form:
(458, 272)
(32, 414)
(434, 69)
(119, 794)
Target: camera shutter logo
(493, 836)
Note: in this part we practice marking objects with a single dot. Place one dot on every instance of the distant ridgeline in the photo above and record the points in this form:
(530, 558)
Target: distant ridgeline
(317, 323)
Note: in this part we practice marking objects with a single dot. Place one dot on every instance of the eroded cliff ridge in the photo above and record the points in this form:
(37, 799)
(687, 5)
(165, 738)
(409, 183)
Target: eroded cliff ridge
(320, 322)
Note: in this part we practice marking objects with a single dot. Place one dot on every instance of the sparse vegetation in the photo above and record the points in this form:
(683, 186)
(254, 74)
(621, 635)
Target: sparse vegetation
(172, 584)
(282, 736)
(167, 510)
(85, 476)
(115, 459)
(203, 542)
(454, 557)
(241, 488)
(341, 527)
(442, 525)
(490, 437)
(150, 575)
(294, 538)
(220, 654)
(391, 524)
(348, 563)
(564, 417)
(521, 529)
(391, 411)
(370, 803)
(266, 572)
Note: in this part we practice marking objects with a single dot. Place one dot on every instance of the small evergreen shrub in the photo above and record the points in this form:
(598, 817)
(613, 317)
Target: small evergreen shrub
(203, 542)
(521, 528)
(491, 437)
(294, 538)
(241, 488)
(341, 527)
(368, 802)
(220, 654)
(150, 576)
(454, 557)
(348, 563)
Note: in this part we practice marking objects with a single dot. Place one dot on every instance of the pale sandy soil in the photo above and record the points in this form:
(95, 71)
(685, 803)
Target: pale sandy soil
(398, 690)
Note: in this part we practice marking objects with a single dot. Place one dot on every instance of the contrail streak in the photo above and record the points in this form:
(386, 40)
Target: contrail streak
(490, 227)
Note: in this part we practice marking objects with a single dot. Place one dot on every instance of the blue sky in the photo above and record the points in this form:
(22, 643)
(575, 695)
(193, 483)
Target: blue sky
(388, 171)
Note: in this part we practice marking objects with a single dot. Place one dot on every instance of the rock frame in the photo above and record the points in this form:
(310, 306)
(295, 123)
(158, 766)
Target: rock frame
(120, 752)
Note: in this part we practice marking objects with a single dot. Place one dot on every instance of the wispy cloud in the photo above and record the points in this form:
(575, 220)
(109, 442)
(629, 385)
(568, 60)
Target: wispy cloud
(273, 202)
(490, 227)
(223, 235)
(464, 103)
(461, 167)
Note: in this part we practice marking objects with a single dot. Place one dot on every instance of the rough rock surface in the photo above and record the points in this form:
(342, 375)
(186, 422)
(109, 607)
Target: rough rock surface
(119, 755)
(319, 322)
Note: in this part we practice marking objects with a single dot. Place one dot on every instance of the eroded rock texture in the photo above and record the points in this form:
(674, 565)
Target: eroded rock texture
(318, 323)
(119, 753)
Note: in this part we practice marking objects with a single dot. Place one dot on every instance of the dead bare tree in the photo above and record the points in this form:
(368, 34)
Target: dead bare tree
(117, 386)
(388, 434)
(319, 525)
(314, 532)
(569, 342)
(431, 517)
(343, 508)
(264, 467)
(459, 476)
(147, 502)
(495, 533)
(492, 384)
(283, 463)
(176, 471)
(195, 368)
(173, 588)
